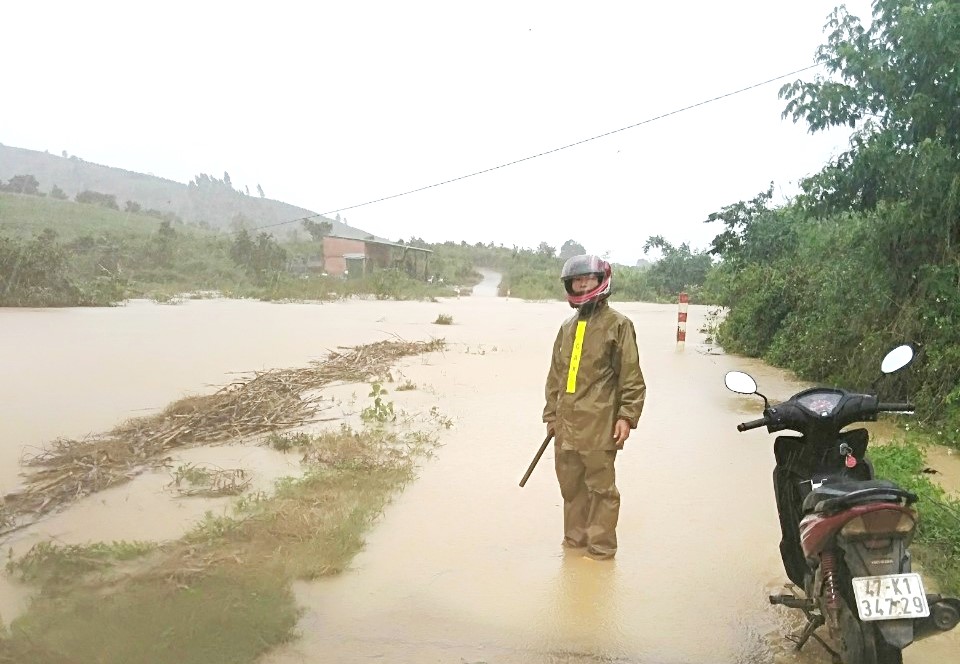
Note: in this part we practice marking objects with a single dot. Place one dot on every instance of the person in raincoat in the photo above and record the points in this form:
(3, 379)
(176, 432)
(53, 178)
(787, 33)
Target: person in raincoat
(594, 396)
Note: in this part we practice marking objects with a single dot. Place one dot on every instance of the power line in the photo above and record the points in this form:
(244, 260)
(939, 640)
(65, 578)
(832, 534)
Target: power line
(547, 152)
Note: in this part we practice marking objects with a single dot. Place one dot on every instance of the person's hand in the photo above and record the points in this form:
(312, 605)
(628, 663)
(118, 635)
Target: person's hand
(551, 430)
(621, 431)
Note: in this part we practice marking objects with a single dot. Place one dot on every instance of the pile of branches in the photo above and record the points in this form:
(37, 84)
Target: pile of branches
(270, 401)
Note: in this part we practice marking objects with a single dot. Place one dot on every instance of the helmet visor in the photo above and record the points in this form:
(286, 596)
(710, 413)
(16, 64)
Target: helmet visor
(579, 266)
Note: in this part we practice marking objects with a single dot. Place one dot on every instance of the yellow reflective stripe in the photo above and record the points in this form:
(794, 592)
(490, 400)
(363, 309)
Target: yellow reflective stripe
(575, 357)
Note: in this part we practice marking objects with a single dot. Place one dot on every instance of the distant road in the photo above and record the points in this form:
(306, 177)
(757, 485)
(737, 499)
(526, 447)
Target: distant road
(487, 287)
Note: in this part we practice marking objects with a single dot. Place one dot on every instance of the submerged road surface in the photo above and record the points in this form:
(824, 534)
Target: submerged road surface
(464, 566)
(467, 567)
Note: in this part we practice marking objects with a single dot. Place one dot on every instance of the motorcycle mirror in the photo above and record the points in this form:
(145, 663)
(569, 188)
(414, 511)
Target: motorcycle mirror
(897, 359)
(740, 382)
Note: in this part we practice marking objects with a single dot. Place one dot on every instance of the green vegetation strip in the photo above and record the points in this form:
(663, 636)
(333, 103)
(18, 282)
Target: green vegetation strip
(937, 547)
(223, 592)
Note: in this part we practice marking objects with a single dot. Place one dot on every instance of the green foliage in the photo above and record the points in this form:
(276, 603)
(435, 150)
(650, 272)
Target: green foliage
(317, 230)
(443, 319)
(868, 256)
(108, 256)
(165, 240)
(939, 530)
(898, 85)
(455, 263)
(381, 411)
(37, 273)
(755, 233)
(531, 275)
(389, 284)
(48, 563)
(189, 479)
(633, 284)
(382, 284)
(678, 270)
(228, 616)
(22, 184)
(755, 294)
(286, 442)
(221, 594)
(262, 258)
(899, 74)
(440, 418)
(571, 248)
(24, 216)
(532, 283)
(96, 198)
(546, 250)
(202, 181)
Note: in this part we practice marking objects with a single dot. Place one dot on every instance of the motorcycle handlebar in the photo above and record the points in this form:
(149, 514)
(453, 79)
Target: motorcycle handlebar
(895, 408)
(746, 426)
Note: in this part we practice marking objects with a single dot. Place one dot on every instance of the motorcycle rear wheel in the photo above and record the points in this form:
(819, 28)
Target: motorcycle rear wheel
(886, 654)
(859, 642)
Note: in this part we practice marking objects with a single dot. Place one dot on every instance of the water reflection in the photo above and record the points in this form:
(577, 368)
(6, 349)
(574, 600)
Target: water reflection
(584, 607)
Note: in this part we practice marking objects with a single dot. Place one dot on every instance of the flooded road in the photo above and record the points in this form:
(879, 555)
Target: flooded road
(465, 566)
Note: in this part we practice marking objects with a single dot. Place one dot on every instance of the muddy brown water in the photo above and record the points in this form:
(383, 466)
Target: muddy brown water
(464, 565)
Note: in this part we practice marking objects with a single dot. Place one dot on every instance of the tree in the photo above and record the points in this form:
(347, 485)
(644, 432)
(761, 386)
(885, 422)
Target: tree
(132, 206)
(34, 273)
(226, 180)
(241, 251)
(899, 76)
(317, 230)
(96, 198)
(165, 243)
(22, 184)
(678, 269)
(262, 258)
(260, 191)
(899, 87)
(571, 248)
(897, 83)
(755, 231)
(241, 222)
(546, 250)
(58, 193)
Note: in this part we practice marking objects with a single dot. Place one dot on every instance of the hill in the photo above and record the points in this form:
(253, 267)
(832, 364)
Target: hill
(205, 201)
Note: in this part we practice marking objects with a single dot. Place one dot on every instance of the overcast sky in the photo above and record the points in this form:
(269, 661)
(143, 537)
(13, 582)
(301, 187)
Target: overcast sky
(339, 103)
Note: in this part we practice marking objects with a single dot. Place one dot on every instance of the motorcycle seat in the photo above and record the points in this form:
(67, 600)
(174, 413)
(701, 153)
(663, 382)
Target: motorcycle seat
(833, 496)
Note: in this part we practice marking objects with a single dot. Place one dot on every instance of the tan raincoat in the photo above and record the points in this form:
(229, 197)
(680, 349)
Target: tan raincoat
(594, 380)
(587, 392)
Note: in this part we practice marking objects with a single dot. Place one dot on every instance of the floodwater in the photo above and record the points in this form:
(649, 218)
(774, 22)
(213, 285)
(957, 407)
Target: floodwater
(464, 565)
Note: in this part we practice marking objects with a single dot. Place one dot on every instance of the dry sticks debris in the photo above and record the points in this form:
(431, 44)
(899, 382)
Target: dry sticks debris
(270, 401)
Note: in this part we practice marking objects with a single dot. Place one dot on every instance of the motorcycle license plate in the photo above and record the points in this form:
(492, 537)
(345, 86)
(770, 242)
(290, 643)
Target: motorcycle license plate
(890, 597)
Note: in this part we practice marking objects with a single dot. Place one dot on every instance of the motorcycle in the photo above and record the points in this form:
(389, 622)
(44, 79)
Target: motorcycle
(845, 533)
